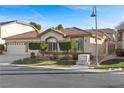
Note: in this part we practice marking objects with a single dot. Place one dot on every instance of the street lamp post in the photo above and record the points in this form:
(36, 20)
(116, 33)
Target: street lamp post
(94, 14)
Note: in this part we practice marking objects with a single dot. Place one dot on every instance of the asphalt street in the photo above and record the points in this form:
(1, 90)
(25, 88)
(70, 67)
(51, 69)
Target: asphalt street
(29, 77)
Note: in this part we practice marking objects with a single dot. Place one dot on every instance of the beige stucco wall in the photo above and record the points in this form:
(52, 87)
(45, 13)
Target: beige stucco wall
(52, 34)
(90, 44)
(2, 41)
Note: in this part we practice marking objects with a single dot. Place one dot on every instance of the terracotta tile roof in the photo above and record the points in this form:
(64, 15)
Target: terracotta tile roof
(75, 32)
(27, 35)
(107, 30)
(50, 29)
(100, 33)
(71, 32)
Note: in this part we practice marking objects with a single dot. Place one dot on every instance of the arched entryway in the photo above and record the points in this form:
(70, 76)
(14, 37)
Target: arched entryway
(52, 44)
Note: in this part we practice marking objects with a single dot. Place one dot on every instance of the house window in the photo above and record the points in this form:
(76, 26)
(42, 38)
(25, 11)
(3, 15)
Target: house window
(52, 46)
(80, 45)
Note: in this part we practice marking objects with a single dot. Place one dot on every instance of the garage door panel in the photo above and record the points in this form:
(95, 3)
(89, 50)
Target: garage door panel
(16, 49)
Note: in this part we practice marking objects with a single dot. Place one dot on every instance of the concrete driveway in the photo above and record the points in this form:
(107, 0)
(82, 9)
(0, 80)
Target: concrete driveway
(11, 58)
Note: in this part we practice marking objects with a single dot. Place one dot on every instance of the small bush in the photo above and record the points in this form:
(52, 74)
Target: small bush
(26, 61)
(91, 57)
(112, 61)
(34, 45)
(66, 58)
(33, 55)
(53, 58)
(1, 48)
(65, 45)
(75, 56)
(120, 52)
(67, 62)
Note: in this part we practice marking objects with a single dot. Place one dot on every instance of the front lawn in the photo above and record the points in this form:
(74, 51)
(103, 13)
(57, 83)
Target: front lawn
(112, 63)
(37, 62)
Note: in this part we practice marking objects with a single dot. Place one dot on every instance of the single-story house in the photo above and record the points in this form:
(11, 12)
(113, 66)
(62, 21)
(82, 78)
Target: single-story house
(18, 44)
(15, 27)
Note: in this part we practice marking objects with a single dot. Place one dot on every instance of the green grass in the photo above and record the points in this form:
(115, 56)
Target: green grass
(112, 63)
(45, 62)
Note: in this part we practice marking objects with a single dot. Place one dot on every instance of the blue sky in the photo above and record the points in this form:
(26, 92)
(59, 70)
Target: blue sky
(69, 16)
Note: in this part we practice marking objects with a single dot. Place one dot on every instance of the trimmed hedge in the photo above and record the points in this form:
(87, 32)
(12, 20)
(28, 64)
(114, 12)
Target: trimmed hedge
(34, 45)
(1, 48)
(38, 45)
(26, 61)
(119, 52)
(65, 45)
(32, 55)
(66, 62)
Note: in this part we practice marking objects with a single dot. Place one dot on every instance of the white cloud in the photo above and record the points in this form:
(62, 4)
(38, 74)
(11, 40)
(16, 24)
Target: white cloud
(37, 14)
(79, 7)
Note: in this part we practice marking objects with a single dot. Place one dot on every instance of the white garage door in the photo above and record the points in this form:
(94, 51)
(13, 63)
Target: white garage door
(18, 49)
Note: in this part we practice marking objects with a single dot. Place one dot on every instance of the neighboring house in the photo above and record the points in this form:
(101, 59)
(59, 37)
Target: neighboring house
(121, 39)
(110, 32)
(85, 40)
(11, 28)
(111, 38)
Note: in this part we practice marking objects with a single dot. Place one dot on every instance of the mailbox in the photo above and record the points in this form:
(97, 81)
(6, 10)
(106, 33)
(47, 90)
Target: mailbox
(83, 59)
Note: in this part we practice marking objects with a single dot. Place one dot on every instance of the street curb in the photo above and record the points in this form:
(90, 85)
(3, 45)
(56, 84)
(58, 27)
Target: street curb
(85, 69)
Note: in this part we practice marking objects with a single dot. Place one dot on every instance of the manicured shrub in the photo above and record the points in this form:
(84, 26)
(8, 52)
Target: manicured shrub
(34, 45)
(91, 57)
(65, 45)
(66, 58)
(53, 58)
(26, 61)
(75, 56)
(119, 52)
(74, 45)
(41, 46)
(33, 55)
(67, 62)
(1, 48)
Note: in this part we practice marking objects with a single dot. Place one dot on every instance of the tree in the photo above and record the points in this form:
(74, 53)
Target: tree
(38, 26)
(65, 45)
(120, 26)
(34, 45)
(118, 34)
(74, 45)
(43, 47)
(59, 27)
